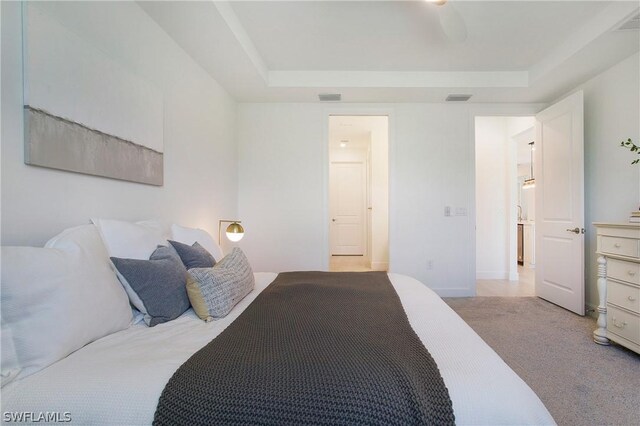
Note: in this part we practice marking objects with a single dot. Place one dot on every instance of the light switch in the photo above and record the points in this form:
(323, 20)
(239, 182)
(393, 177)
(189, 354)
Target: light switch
(447, 211)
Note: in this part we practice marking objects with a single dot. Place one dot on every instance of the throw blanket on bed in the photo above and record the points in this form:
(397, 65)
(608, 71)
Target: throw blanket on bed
(312, 348)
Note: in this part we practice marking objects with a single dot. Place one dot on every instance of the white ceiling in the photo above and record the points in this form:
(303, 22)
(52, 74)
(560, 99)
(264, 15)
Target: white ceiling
(397, 51)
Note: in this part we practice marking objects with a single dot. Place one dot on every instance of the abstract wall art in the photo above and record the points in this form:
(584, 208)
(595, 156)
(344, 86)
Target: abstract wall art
(85, 111)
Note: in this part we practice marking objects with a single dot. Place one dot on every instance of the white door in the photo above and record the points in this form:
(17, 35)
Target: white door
(559, 190)
(347, 206)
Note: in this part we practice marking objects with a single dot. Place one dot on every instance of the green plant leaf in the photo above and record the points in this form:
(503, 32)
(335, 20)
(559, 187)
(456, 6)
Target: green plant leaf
(631, 147)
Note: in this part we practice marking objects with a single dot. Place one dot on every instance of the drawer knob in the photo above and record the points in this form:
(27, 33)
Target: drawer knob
(617, 245)
(616, 324)
(631, 273)
(631, 298)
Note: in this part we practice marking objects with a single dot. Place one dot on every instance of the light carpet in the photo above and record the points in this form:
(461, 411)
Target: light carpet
(551, 349)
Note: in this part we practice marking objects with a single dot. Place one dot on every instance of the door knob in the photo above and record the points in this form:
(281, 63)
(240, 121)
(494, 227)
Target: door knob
(575, 230)
(333, 220)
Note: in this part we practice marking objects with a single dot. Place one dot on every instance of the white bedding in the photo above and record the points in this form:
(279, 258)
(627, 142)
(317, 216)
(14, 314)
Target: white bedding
(118, 379)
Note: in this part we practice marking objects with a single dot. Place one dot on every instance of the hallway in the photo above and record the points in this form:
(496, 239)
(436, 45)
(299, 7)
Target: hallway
(524, 287)
(349, 264)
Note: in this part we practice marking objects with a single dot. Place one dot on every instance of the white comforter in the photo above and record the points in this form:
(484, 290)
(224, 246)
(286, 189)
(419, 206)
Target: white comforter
(118, 379)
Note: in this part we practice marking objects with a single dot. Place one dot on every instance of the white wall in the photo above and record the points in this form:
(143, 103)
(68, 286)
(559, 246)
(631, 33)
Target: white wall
(283, 175)
(612, 184)
(200, 163)
(379, 193)
(492, 198)
(281, 186)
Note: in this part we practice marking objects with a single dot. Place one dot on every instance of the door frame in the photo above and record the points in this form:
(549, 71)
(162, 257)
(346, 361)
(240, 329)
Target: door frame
(324, 155)
(515, 110)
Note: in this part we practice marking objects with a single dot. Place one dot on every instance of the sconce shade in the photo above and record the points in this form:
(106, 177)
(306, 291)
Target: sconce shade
(235, 232)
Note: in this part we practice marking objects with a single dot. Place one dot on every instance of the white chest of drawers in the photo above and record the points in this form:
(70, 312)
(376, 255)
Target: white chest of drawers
(618, 249)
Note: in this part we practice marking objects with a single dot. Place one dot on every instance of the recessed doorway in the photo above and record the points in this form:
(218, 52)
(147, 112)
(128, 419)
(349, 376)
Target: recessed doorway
(358, 193)
(505, 206)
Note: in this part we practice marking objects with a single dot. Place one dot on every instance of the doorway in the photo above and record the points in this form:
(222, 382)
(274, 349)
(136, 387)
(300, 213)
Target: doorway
(505, 206)
(358, 193)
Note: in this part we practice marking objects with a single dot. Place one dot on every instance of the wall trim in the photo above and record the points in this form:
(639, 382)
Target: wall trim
(380, 266)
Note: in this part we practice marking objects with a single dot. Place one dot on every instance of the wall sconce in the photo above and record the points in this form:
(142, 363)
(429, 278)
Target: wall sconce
(234, 231)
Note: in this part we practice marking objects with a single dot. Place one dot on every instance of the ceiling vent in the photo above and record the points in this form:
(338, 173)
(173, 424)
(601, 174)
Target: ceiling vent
(330, 97)
(632, 23)
(458, 98)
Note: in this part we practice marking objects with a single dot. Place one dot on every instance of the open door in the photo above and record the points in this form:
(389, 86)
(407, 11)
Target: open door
(559, 175)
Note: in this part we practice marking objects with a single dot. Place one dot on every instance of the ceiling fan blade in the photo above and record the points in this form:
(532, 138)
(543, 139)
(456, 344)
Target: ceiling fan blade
(452, 23)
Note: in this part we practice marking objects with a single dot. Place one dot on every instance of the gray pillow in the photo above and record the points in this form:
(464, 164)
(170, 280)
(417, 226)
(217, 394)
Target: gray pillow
(194, 256)
(213, 292)
(157, 287)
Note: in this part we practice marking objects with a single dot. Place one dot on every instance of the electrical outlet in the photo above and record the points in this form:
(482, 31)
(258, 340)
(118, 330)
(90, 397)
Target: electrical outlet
(447, 210)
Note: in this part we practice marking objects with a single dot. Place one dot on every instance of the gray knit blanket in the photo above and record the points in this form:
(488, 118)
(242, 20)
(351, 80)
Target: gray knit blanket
(312, 348)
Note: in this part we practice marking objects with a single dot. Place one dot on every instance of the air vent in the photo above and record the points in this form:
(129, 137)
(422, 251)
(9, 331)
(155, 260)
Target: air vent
(458, 98)
(632, 23)
(330, 97)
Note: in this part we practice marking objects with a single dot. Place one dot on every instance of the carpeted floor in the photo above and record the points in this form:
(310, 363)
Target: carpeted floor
(551, 349)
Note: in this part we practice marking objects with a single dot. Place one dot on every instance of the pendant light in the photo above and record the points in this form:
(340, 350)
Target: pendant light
(531, 182)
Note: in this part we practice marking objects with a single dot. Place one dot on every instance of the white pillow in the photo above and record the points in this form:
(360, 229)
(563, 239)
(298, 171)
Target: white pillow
(189, 236)
(57, 299)
(164, 228)
(129, 240)
(10, 366)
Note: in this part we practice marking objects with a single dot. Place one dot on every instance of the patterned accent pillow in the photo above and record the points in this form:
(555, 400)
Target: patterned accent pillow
(213, 292)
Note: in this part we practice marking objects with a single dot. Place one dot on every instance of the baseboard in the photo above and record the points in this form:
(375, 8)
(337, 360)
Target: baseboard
(380, 266)
(492, 275)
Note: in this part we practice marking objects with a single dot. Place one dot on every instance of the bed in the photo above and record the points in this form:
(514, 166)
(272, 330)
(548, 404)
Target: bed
(118, 379)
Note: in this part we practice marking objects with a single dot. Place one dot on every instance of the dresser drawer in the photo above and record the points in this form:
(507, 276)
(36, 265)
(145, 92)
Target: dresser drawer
(623, 271)
(624, 295)
(623, 324)
(620, 246)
